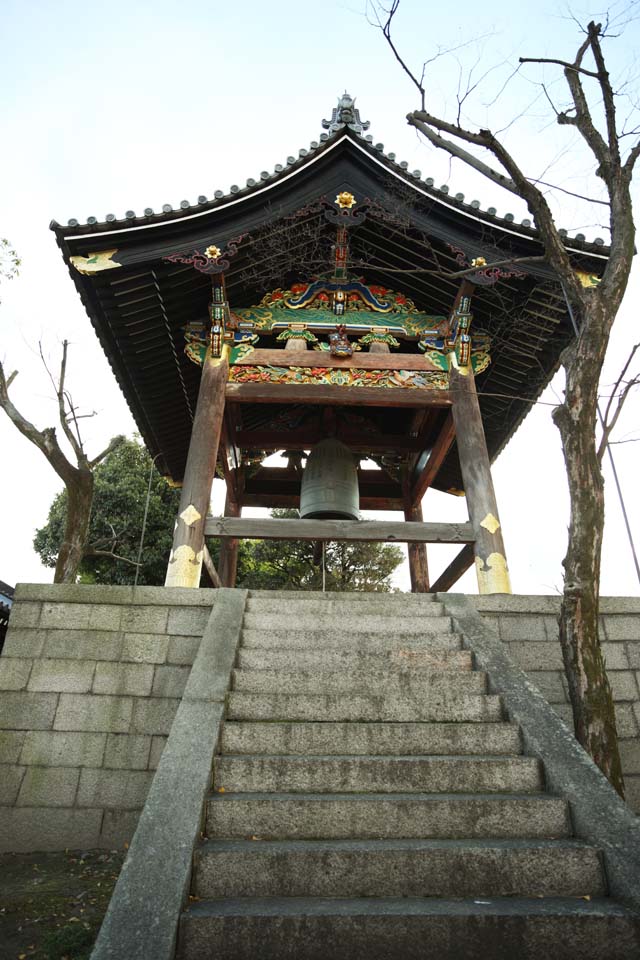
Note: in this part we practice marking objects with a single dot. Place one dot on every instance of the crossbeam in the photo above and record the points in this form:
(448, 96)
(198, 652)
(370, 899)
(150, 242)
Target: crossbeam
(385, 531)
(334, 395)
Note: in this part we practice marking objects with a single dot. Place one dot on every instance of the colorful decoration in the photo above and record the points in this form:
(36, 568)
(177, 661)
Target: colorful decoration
(211, 260)
(408, 379)
(298, 331)
(219, 317)
(360, 302)
(379, 335)
(452, 337)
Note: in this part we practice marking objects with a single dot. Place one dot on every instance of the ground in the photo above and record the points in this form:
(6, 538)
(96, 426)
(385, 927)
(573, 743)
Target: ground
(52, 904)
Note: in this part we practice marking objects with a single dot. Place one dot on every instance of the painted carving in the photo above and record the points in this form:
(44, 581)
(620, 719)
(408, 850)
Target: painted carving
(409, 379)
(339, 345)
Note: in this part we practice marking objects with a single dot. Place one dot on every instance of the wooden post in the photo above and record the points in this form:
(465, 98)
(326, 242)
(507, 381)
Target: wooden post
(185, 562)
(490, 559)
(418, 569)
(228, 563)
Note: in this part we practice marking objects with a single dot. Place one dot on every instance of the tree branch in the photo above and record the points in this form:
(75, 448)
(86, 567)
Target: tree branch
(91, 552)
(559, 63)
(45, 440)
(420, 119)
(113, 445)
(76, 443)
(608, 98)
(517, 183)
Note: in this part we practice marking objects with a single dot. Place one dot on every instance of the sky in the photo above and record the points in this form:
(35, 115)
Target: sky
(107, 108)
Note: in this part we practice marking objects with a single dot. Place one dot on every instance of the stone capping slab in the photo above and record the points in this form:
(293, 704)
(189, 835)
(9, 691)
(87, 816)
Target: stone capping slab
(599, 815)
(94, 593)
(544, 603)
(141, 922)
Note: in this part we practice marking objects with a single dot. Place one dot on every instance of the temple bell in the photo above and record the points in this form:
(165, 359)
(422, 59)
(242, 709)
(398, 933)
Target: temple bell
(329, 489)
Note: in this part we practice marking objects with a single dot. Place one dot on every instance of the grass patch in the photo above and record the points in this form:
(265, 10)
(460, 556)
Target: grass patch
(52, 904)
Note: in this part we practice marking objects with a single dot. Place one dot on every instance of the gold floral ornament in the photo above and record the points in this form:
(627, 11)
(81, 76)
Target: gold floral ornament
(478, 262)
(346, 200)
(212, 252)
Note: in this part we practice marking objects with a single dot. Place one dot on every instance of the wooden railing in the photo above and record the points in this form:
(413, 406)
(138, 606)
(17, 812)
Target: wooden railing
(386, 531)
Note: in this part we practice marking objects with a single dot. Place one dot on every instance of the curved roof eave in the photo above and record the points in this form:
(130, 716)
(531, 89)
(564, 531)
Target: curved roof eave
(76, 233)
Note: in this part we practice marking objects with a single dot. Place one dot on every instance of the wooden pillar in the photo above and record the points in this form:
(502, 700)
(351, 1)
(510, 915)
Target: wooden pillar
(185, 561)
(228, 563)
(418, 569)
(490, 559)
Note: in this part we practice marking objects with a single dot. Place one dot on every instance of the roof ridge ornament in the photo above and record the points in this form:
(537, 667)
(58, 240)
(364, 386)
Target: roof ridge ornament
(346, 114)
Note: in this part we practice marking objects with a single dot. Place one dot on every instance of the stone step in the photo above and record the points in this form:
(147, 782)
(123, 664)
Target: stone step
(397, 868)
(350, 707)
(363, 681)
(387, 607)
(331, 658)
(287, 816)
(347, 598)
(371, 739)
(275, 928)
(345, 774)
(348, 622)
(350, 643)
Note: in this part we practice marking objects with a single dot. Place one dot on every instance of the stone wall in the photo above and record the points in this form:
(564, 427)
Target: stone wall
(90, 681)
(91, 678)
(528, 625)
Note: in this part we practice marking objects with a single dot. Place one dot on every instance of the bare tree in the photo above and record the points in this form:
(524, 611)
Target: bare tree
(593, 310)
(78, 478)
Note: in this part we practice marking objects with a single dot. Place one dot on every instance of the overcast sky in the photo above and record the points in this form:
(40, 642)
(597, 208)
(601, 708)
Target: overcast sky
(120, 106)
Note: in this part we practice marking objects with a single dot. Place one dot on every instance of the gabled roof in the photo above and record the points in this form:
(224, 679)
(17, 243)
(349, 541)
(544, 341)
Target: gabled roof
(139, 303)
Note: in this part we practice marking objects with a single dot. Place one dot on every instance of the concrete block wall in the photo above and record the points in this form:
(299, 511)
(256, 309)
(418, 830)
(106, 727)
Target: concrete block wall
(528, 625)
(90, 681)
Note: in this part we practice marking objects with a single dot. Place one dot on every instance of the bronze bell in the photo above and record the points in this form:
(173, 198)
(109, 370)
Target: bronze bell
(329, 489)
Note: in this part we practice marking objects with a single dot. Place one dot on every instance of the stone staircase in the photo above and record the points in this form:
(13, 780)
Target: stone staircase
(370, 801)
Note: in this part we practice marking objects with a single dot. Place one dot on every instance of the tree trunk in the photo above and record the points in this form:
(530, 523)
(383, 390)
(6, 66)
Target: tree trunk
(79, 499)
(589, 688)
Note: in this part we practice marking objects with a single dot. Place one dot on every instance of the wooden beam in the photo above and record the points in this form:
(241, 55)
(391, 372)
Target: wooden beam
(317, 358)
(386, 531)
(210, 568)
(185, 562)
(459, 565)
(434, 461)
(417, 552)
(272, 500)
(303, 439)
(333, 395)
(491, 561)
(229, 546)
